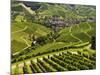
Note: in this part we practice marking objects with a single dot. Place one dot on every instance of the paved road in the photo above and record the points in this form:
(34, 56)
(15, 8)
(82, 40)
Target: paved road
(27, 9)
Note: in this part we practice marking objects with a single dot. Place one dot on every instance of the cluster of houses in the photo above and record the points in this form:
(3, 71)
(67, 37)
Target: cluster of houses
(56, 22)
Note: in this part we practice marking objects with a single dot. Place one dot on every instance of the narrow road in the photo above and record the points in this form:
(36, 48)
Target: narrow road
(20, 51)
(20, 30)
(25, 41)
(87, 34)
(89, 26)
(27, 9)
(75, 37)
(70, 29)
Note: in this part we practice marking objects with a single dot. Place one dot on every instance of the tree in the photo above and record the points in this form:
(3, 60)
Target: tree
(32, 44)
(41, 40)
(93, 41)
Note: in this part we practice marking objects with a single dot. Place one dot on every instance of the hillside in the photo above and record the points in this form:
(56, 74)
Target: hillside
(22, 32)
(51, 37)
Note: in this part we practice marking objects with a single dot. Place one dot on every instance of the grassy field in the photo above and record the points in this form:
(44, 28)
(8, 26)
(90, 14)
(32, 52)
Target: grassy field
(20, 31)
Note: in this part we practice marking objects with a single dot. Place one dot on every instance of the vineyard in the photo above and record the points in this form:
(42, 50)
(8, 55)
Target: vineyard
(63, 61)
(47, 37)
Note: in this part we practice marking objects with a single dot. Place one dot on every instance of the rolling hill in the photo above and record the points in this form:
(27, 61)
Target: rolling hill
(51, 37)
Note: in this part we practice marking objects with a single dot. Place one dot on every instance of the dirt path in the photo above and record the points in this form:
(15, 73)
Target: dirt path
(75, 37)
(20, 51)
(89, 26)
(70, 29)
(87, 34)
(25, 41)
(20, 30)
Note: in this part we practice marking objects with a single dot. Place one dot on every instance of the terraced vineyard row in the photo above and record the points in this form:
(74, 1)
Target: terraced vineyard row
(77, 33)
(64, 61)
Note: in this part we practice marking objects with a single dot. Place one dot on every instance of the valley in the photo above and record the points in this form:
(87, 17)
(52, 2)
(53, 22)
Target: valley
(51, 37)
